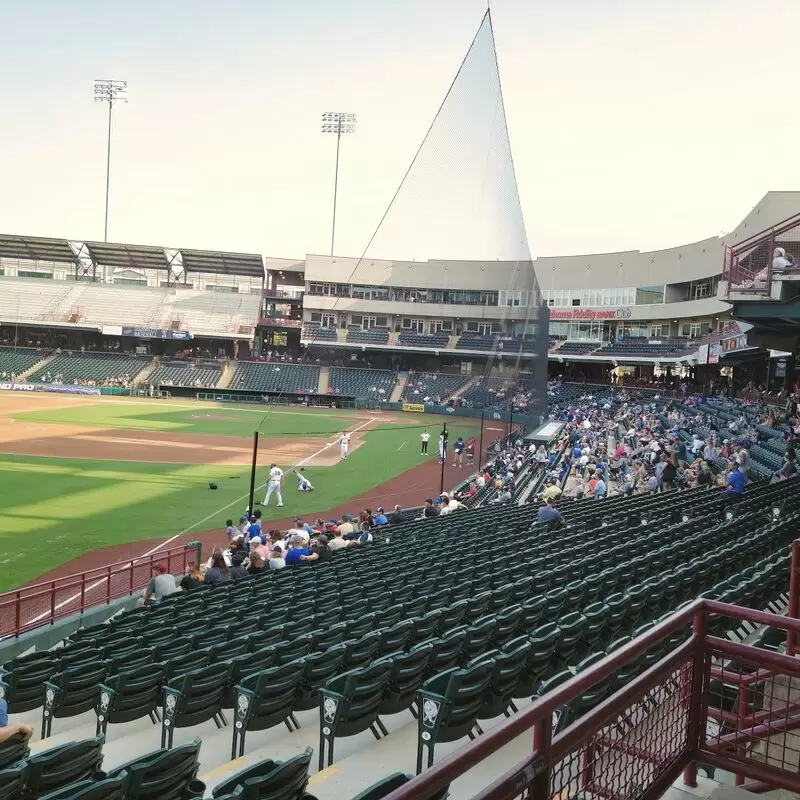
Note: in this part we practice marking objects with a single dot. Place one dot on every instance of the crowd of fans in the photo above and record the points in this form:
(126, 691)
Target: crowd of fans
(628, 446)
(617, 443)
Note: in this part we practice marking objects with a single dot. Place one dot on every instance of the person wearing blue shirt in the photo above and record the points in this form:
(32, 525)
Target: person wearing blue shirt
(6, 730)
(293, 556)
(736, 481)
(549, 514)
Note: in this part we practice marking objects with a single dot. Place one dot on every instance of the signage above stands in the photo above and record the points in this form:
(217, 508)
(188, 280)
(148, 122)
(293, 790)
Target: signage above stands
(155, 333)
(590, 313)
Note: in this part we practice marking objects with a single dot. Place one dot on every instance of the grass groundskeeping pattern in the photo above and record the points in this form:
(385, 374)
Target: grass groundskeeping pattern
(55, 509)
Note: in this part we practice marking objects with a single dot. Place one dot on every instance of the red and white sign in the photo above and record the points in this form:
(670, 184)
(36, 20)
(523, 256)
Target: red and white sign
(591, 313)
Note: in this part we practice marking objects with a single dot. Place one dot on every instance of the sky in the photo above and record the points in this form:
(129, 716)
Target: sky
(633, 125)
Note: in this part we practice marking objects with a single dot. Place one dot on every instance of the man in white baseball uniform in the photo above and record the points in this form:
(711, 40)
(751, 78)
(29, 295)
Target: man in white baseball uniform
(274, 484)
(344, 445)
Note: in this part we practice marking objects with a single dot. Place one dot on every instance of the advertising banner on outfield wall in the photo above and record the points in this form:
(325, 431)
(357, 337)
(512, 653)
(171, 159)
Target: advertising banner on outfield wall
(418, 408)
(17, 387)
(59, 388)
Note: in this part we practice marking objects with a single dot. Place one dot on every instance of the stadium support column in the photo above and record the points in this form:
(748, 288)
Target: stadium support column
(253, 473)
(444, 456)
(480, 446)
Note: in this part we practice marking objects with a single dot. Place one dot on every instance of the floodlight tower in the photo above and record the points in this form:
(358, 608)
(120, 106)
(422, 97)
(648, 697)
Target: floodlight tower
(337, 122)
(109, 91)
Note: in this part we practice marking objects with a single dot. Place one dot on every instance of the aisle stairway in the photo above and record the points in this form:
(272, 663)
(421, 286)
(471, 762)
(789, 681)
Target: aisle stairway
(468, 385)
(397, 392)
(324, 380)
(35, 368)
(227, 374)
(145, 374)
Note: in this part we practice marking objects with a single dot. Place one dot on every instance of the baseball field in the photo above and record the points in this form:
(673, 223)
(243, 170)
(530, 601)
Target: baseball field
(86, 481)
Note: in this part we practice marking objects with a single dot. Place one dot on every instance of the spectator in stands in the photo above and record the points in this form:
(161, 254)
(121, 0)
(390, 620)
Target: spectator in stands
(547, 513)
(735, 480)
(161, 585)
(552, 491)
(277, 561)
(345, 528)
(380, 517)
(779, 261)
(232, 531)
(450, 504)
(238, 570)
(319, 551)
(787, 469)
(337, 542)
(259, 548)
(396, 517)
(743, 459)
(193, 577)
(276, 539)
(257, 565)
(8, 731)
(219, 571)
(296, 551)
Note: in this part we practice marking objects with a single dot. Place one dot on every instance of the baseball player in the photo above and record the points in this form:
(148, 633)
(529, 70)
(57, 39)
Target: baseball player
(303, 483)
(424, 438)
(442, 448)
(274, 484)
(344, 445)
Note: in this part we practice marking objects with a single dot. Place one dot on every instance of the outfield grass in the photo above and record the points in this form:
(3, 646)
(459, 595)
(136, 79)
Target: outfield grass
(204, 419)
(53, 510)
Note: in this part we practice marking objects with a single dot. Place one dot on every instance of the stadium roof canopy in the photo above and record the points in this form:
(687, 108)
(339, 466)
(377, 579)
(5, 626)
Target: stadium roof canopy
(223, 263)
(132, 256)
(776, 318)
(34, 248)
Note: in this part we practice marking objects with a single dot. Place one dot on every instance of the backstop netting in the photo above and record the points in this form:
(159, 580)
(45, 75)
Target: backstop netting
(456, 222)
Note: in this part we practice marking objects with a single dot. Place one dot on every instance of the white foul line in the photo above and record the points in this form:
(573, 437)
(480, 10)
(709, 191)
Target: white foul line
(163, 544)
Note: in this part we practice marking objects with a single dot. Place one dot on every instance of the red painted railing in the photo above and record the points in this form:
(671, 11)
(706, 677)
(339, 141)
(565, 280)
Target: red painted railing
(710, 701)
(41, 604)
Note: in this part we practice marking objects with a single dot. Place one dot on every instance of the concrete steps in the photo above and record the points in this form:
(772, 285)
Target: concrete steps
(397, 392)
(35, 368)
(227, 374)
(148, 370)
(324, 380)
(468, 385)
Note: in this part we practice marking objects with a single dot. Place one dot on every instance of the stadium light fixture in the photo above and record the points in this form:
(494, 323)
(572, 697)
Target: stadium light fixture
(109, 91)
(338, 122)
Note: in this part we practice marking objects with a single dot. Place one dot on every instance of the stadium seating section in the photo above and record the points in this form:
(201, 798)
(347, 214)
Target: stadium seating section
(319, 334)
(577, 348)
(94, 368)
(186, 374)
(471, 341)
(366, 644)
(275, 377)
(105, 304)
(642, 347)
(437, 340)
(433, 385)
(373, 383)
(14, 361)
(487, 392)
(372, 336)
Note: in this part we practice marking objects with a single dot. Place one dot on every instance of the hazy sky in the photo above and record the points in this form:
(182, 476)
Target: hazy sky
(634, 123)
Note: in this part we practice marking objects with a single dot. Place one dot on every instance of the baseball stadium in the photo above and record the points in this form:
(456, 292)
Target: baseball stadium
(432, 519)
